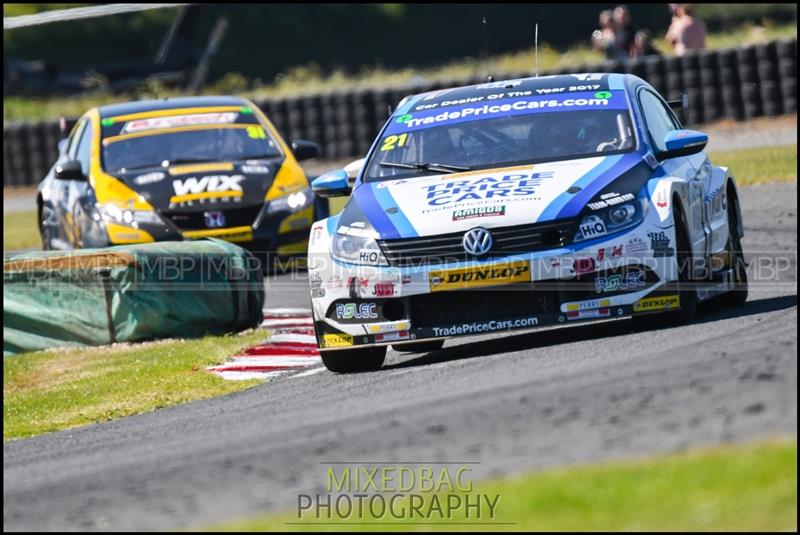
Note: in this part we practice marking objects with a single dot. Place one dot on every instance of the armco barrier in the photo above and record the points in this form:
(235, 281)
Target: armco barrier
(737, 83)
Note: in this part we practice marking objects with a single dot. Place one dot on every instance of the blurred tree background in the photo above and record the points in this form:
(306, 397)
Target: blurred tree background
(264, 41)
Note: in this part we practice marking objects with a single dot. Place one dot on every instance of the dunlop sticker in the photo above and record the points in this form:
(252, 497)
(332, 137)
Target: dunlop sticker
(337, 340)
(649, 304)
(489, 275)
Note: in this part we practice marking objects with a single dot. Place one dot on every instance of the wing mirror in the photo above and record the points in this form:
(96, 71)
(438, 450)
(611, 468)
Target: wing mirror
(338, 183)
(305, 150)
(683, 143)
(353, 169)
(332, 184)
(69, 170)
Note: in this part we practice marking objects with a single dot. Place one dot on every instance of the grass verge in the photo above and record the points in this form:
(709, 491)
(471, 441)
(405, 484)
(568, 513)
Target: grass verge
(760, 165)
(733, 487)
(20, 231)
(58, 389)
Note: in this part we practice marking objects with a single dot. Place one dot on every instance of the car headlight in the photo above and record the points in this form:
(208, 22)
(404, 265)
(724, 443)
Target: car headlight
(357, 250)
(122, 216)
(612, 219)
(291, 202)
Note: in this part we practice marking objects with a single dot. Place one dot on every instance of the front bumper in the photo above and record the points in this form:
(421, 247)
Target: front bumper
(612, 277)
(268, 234)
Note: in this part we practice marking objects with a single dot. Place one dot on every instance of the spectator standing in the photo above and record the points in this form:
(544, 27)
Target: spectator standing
(604, 40)
(624, 31)
(686, 32)
(643, 45)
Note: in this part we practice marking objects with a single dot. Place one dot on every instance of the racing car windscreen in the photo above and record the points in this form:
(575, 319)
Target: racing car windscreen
(219, 143)
(461, 138)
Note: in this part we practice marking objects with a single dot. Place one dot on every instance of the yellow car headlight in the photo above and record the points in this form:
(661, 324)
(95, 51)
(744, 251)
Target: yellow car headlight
(292, 202)
(122, 216)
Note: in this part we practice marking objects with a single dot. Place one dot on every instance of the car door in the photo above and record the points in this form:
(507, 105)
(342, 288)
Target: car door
(81, 194)
(69, 192)
(55, 193)
(660, 120)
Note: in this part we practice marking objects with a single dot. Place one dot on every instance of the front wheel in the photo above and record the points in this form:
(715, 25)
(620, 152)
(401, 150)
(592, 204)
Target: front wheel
(686, 284)
(47, 226)
(354, 360)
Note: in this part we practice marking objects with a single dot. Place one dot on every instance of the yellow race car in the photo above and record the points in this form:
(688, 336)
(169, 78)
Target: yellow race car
(178, 169)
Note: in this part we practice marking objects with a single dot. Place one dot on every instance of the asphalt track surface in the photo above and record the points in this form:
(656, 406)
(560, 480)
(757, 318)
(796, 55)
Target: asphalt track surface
(510, 402)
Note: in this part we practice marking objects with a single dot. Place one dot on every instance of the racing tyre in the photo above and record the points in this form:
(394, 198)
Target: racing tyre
(354, 360)
(737, 296)
(47, 222)
(685, 286)
(419, 347)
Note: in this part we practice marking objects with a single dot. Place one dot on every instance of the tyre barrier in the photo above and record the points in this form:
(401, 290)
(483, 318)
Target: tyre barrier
(654, 73)
(736, 83)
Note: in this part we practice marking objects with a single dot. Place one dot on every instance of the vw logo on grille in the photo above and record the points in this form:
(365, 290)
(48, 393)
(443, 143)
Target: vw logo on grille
(214, 219)
(477, 241)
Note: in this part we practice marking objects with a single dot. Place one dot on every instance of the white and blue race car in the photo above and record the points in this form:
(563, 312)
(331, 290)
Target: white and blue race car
(519, 204)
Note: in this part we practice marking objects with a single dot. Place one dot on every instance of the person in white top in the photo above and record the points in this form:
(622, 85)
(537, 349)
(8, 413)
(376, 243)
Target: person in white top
(686, 32)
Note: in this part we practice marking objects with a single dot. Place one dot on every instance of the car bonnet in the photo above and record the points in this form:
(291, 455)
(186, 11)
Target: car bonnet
(437, 204)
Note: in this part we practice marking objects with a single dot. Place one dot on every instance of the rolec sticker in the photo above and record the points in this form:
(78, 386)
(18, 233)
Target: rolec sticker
(618, 282)
(358, 311)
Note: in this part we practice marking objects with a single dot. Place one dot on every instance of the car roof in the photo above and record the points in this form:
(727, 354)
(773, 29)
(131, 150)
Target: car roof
(537, 85)
(141, 106)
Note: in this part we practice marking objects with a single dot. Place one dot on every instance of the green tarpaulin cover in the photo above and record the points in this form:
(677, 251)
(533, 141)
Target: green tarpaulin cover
(129, 293)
